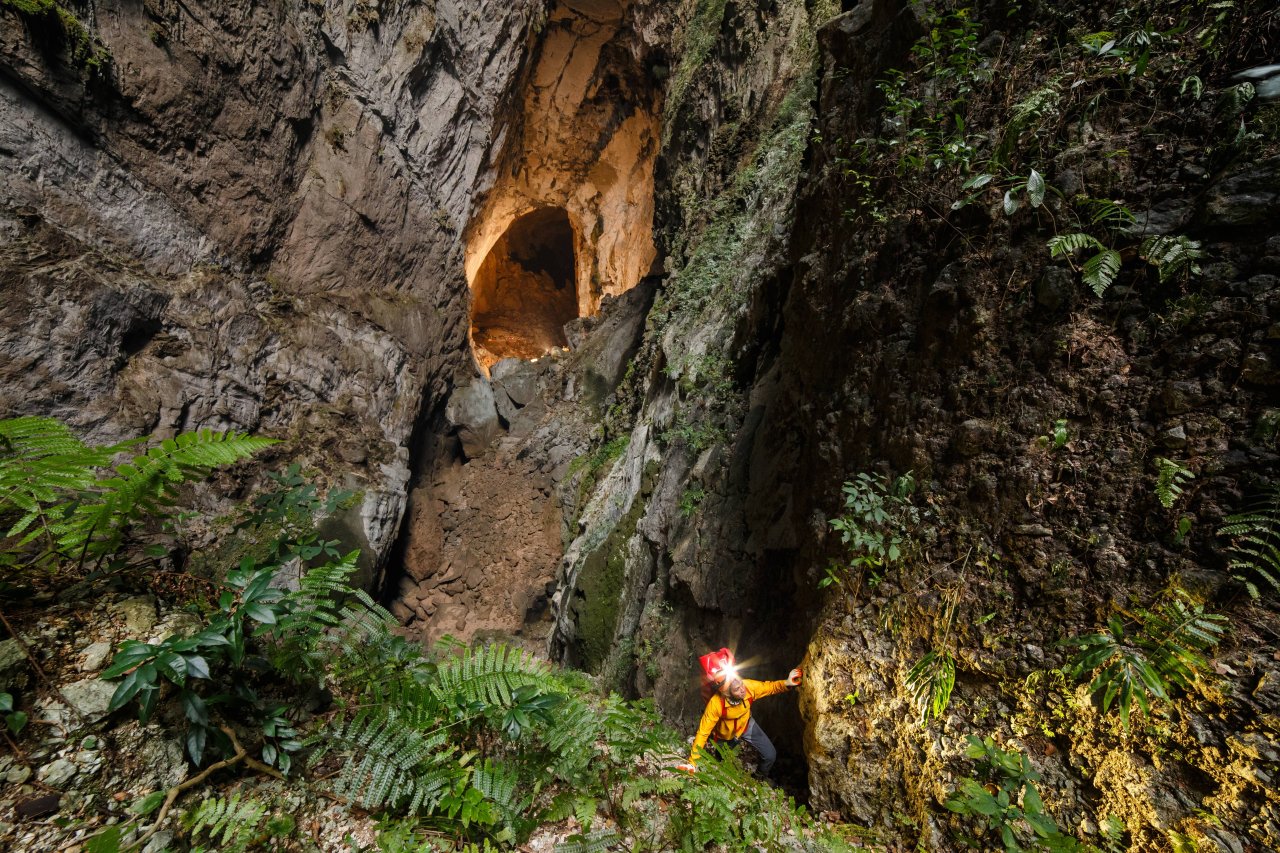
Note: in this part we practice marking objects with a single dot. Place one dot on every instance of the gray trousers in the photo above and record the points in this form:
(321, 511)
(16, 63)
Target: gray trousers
(755, 736)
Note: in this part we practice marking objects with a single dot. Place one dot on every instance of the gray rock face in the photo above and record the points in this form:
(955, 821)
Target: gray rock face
(472, 412)
(57, 773)
(94, 656)
(138, 615)
(288, 186)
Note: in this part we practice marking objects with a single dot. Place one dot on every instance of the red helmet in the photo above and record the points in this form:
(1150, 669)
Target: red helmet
(716, 666)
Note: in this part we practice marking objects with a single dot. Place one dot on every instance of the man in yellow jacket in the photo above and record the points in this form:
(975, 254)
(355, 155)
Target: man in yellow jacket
(727, 717)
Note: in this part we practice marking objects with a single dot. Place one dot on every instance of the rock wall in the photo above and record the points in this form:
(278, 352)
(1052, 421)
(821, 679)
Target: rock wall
(248, 218)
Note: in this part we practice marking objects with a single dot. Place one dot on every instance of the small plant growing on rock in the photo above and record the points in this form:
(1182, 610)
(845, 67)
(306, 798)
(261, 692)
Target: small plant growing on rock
(14, 720)
(931, 681)
(57, 505)
(1004, 797)
(875, 523)
(1164, 648)
(1170, 477)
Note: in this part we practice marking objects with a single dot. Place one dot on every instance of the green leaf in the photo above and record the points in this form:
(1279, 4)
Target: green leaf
(1101, 270)
(197, 736)
(261, 613)
(148, 703)
(197, 666)
(147, 804)
(130, 655)
(1011, 203)
(1035, 188)
(16, 721)
(107, 841)
(195, 708)
(6, 702)
(124, 692)
(1031, 799)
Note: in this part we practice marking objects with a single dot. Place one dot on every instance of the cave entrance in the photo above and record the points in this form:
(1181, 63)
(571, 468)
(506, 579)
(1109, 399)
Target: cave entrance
(525, 290)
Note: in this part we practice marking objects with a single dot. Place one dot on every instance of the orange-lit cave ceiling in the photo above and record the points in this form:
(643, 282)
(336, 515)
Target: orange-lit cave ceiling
(570, 217)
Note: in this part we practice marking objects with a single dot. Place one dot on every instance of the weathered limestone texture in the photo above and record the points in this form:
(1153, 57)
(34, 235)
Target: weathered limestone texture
(249, 220)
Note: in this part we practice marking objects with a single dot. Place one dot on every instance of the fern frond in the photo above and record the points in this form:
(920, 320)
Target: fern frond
(231, 823)
(1177, 635)
(392, 763)
(591, 842)
(1172, 256)
(1101, 270)
(488, 675)
(1105, 212)
(1255, 546)
(1170, 477)
(497, 782)
(96, 512)
(1066, 245)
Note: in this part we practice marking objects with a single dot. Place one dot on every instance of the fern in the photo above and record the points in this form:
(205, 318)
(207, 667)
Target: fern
(1112, 830)
(1255, 545)
(230, 823)
(1066, 245)
(393, 764)
(1166, 649)
(1170, 477)
(311, 612)
(1182, 632)
(591, 842)
(497, 783)
(1173, 257)
(145, 484)
(50, 480)
(930, 682)
(1101, 270)
(488, 675)
(1112, 215)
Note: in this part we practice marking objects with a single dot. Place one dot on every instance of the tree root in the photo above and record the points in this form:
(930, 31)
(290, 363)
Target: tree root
(171, 796)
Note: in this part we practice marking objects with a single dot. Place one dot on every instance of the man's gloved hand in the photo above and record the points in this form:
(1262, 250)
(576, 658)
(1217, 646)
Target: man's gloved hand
(687, 768)
(793, 679)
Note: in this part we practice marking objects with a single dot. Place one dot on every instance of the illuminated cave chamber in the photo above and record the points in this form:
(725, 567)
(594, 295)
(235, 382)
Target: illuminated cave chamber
(525, 291)
(569, 220)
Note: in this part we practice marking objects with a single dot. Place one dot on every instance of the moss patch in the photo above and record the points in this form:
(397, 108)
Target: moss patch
(53, 23)
(600, 588)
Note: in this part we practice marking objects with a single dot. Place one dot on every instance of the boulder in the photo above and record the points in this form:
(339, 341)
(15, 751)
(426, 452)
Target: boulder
(474, 416)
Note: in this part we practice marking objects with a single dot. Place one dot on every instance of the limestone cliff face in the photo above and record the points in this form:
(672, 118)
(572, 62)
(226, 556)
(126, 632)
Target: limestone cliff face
(249, 219)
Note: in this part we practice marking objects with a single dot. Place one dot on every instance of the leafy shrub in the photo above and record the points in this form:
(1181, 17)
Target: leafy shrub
(875, 524)
(1014, 806)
